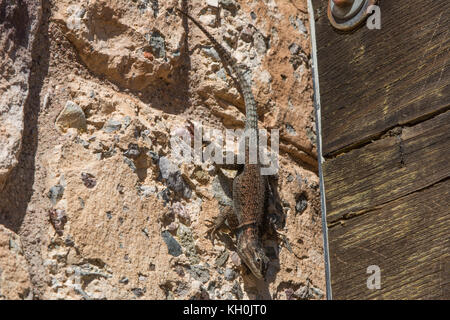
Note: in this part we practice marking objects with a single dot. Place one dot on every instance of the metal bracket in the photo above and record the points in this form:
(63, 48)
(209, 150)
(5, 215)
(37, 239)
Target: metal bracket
(346, 15)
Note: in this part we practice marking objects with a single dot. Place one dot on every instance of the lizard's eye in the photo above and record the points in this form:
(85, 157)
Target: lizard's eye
(258, 260)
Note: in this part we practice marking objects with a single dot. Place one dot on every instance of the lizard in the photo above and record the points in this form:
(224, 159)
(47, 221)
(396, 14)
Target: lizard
(250, 189)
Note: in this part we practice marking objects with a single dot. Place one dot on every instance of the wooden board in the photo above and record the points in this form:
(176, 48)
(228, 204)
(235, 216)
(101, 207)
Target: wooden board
(373, 80)
(407, 238)
(385, 116)
(412, 159)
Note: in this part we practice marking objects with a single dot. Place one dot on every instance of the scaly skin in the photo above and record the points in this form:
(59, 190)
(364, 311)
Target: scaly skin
(249, 189)
(249, 186)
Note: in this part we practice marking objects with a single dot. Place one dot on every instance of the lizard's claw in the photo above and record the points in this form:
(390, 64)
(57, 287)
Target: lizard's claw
(274, 214)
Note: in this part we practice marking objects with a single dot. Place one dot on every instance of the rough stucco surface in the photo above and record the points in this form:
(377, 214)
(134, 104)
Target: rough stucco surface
(97, 205)
(14, 277)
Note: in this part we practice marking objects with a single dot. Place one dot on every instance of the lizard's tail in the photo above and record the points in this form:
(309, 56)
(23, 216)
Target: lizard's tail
(251, 113)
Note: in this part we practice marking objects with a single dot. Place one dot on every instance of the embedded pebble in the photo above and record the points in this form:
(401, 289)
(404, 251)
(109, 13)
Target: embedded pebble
(132, 152)
(112, 125)
(123, 280)
(157, 43)
(88, 180)
(186, 238)
(173, 246)
(146, 191)
(199, 272)
(126, 121)
(180, 211)
(301, 203)
(229, 274)
(55, 193)
(229, 5)
(130, 163)
(212, 3)
(173, 178)
(302, 292)
(138, 292)
(211, 52)
(294, 48)
(72, 116)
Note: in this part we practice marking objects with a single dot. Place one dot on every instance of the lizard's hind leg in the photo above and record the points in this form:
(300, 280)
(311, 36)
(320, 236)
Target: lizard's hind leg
(274, 209)
(275, 218)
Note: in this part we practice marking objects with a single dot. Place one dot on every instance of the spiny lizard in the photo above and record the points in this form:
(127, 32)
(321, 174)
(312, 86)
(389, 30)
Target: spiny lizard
(250, 189)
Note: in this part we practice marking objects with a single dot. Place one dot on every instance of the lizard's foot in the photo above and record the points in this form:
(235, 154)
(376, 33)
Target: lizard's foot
(219, 222)
(273, 215)
(274, 209)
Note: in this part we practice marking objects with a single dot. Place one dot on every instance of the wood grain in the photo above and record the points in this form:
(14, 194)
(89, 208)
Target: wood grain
(407, 238)
(373, 80)
(385, 115)
(411, 159)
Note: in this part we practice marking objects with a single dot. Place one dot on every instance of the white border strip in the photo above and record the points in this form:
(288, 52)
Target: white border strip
(317, 107)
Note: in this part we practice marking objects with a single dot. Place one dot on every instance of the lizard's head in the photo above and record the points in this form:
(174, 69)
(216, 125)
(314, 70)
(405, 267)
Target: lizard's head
(254, 258)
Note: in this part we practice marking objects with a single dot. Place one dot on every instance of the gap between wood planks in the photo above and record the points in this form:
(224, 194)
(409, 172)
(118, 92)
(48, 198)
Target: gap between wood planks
(351, 215)
(381, 135)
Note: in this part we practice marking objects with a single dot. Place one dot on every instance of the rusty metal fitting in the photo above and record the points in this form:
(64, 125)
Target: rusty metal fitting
(346, 15)
(343, 3)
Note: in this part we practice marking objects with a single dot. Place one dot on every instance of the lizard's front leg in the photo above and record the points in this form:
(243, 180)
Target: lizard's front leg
(226, 215)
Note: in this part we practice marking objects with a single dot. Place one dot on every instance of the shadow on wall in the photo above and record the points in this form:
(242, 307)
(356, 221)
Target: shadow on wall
(173, 97)
(18, 189)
